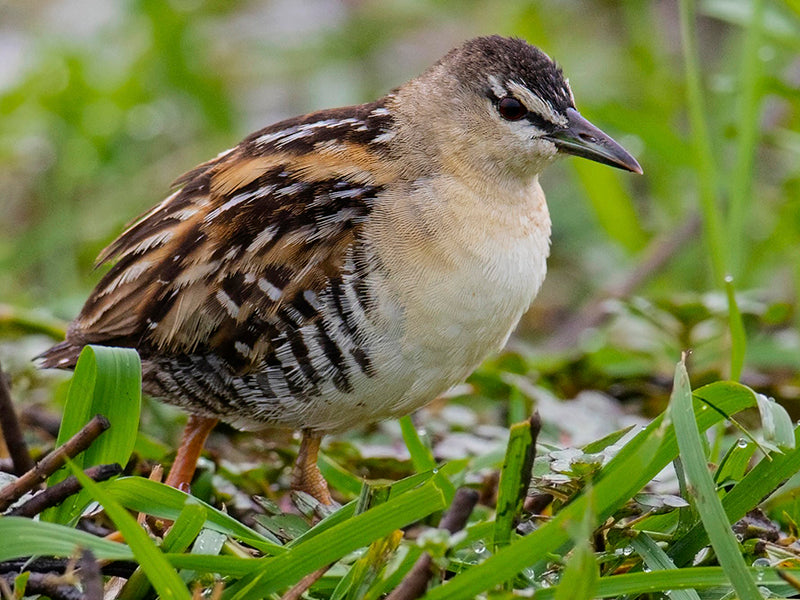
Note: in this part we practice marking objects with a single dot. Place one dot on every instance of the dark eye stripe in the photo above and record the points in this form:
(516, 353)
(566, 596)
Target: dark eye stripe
(540, 122)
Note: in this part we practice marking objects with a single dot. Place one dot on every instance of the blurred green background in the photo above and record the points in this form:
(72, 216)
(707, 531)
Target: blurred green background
(104, 103)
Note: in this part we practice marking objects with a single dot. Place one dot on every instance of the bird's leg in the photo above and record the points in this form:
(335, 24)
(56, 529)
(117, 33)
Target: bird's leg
(305, 475)
(194, 436)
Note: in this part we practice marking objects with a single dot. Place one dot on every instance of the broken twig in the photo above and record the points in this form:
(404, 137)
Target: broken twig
(53, 461)
(415, 583)
(56, 494)
(12, 433)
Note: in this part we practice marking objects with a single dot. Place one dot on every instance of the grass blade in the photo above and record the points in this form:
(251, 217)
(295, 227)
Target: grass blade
(338, 477)
(756, 485)
(635, 584)
(633, 467)
(162, 576)
(515, 476)
(614, 487)
(27, 537)
(273, 574)
(704, 158)
(738, 335)
(107, 381)
(749, 93)
(612, 204)
(582, 573)
(706, 501)
(421, 455)
(656, 559)
(159, 500)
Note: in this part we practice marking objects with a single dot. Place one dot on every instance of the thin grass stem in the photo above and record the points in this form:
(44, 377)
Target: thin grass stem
(706, 168)
(741, 181)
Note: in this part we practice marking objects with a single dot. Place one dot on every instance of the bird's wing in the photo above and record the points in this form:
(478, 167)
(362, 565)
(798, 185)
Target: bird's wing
(246, 243)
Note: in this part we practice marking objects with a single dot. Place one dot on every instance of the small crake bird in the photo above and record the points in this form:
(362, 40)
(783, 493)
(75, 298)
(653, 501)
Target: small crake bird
(348, 265)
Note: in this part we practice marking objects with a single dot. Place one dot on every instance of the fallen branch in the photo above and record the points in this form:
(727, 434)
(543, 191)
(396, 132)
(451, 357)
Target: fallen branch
(12, 432)
(56, 587)
(593, 314)
(56, 494)
(300, 588)
(91, 577)
(415, 583)
(53, 461)
(49, 564)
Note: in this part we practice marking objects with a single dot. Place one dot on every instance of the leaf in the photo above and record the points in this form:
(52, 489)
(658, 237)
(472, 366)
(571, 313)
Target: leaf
(275, 573)
(107, 381)
(702, 487)
(421, 455)
(775, 421)
(163, 578)
(30, 538)
(515, 476)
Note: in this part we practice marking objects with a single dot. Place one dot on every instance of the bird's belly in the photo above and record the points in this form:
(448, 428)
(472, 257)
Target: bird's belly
(424, 341)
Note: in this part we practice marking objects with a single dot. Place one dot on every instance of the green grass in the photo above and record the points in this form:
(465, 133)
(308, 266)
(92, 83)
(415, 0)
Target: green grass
(517, 562)
(701, 93)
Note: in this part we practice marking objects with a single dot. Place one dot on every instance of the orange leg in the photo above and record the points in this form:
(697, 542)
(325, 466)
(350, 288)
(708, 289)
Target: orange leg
(194, 436)
(305, 475)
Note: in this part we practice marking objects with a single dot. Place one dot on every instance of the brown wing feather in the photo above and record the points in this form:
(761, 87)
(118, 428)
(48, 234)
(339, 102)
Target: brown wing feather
(248, 235)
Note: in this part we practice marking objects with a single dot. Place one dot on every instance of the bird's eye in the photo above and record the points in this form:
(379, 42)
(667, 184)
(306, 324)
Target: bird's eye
(511, 109)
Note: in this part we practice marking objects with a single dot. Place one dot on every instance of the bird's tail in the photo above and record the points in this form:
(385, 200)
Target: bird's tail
(60, 356)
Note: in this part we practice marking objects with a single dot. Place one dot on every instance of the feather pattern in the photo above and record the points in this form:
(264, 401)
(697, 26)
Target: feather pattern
(347, 265)
(254, 232)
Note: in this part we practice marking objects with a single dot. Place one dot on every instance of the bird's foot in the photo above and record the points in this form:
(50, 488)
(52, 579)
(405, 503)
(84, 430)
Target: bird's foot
(306, 476)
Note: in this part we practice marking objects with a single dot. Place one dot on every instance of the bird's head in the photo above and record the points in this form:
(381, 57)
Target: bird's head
(500, 103)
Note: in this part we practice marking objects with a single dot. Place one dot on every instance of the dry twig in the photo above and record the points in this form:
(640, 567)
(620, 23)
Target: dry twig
(56, 587)
(91, 577)
(12, 433)
(415, 583)
(53, 461)
(298, 589)
(657, 255)
(56, 494)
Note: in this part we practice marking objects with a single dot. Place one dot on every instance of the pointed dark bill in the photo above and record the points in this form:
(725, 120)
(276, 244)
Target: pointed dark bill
(581, 138)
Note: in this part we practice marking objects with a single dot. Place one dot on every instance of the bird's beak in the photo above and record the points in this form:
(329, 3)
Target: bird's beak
(581, 138)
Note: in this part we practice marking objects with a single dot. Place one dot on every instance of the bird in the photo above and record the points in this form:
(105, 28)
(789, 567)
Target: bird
(348, 265)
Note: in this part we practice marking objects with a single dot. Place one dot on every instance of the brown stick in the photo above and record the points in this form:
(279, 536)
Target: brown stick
(593, 314)
(12, 433)
(415, 583)
(53, 461)
(53, 586)
(91, 578)
(298, 589)
(56, 494)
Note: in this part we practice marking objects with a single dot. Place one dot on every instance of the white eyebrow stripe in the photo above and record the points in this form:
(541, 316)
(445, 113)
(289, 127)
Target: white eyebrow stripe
(536, 104)
(497, 89)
